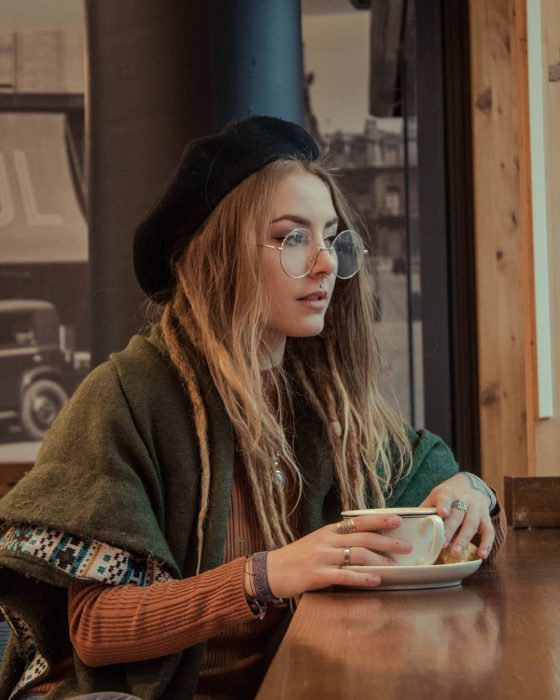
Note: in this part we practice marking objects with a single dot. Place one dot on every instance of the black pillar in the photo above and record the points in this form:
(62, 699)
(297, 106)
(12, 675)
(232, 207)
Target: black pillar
(159, 74)
(433, 221)
(258, 60)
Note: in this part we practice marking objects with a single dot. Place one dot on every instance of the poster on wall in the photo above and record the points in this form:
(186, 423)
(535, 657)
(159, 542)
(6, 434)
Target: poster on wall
(44, 270)
(43, 280)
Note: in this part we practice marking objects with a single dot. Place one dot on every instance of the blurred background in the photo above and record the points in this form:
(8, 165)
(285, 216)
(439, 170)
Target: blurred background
(427, 109)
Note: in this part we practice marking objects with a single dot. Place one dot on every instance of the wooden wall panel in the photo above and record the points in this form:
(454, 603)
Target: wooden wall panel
(548, 431)
(10, 474)
(503, 238)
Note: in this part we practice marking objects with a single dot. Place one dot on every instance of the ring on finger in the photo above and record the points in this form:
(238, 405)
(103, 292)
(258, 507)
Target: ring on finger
(459, 504)
(346, 527)
(346, 556)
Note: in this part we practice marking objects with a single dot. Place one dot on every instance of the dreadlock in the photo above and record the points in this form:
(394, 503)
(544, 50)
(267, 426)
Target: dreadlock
(217, 307)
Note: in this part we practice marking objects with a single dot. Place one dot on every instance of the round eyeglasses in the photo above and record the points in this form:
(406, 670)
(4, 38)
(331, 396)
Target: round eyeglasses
(299, 253)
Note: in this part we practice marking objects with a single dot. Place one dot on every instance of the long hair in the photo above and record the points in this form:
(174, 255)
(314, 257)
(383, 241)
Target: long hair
(218, 305)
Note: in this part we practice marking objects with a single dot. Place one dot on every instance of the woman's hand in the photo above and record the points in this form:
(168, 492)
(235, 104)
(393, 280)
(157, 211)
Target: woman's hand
(461, 526)
(314, 561)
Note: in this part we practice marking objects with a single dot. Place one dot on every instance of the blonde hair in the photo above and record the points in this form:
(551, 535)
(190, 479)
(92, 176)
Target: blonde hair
(218, 307)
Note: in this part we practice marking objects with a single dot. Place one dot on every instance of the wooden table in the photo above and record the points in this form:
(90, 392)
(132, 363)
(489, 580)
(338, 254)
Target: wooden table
(496, 637)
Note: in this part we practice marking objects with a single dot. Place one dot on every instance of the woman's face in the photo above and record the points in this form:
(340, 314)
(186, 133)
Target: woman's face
(298, 306)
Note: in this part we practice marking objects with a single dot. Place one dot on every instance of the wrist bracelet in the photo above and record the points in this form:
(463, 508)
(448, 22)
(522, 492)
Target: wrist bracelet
(260, 577)
(260, 586)
(256, 607)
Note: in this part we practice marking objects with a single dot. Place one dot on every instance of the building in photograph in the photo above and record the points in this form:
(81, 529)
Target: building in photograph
(374, 168)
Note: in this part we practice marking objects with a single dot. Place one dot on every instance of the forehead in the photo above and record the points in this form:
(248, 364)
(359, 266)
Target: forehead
(303, 194)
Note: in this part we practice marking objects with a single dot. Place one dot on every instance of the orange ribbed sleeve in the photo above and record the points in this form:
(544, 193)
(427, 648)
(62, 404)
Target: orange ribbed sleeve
(119, 624)
(499, 522)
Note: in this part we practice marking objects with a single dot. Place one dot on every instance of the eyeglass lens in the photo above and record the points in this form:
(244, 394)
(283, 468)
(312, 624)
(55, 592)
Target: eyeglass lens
(299, 252)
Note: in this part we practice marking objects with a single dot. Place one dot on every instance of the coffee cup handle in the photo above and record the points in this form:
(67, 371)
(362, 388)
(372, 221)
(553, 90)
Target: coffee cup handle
(438, 536)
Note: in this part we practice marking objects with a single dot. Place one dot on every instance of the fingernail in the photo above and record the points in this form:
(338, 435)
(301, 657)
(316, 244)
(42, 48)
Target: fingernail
(374, 581)
(394, 520)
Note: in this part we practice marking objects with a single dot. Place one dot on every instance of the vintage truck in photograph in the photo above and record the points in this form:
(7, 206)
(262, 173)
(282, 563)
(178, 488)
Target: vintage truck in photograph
(38, 366)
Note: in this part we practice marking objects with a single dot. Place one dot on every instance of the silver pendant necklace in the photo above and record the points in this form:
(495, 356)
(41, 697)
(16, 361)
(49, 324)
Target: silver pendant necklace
(279, 474)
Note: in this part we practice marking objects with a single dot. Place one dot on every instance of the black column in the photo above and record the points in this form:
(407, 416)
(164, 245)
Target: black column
(159, 74)
(258, 60)
(433, 221)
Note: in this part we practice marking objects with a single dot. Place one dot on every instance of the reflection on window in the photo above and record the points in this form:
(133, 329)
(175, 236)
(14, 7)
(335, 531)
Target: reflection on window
(393, 201)
(391, 154)
(363, 111)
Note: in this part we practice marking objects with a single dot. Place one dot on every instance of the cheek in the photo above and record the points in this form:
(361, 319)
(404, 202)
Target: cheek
(277, 285)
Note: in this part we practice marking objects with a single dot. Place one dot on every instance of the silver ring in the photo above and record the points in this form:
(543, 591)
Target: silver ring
(460, 505)
(346, 527)
(346, 556)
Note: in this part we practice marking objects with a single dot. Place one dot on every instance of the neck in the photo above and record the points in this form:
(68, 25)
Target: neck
(273, 351)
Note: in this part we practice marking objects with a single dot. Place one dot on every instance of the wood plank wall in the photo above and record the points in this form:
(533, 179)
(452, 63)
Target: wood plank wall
(503, 238)
(10, 474)
(514, 440)
(548, 431)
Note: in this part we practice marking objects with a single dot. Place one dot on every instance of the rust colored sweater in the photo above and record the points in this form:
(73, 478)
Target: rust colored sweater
(107, 623)
(131, 623)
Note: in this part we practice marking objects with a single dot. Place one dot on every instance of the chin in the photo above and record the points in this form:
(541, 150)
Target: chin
(305, 330)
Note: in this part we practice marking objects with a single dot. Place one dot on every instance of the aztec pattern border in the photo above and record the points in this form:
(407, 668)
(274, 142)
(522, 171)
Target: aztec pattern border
(81, 558)
(37, 666)
(84, 559)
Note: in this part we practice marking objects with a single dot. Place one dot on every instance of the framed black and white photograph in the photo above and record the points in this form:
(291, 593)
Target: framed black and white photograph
(44, 271)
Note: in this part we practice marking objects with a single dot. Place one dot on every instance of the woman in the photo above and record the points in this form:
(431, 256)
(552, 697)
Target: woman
(193, 483)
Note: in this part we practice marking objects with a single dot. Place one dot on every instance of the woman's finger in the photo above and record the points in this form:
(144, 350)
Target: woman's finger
(440, 498)
(373, 541)
(348, 577)
(451, 524)
(468, 530)
(360, 556)
(369, 523)
(487, 536)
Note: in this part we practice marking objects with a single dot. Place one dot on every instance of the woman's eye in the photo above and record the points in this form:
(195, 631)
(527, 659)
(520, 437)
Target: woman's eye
(329, 240)
(280, 237)
(296, 238)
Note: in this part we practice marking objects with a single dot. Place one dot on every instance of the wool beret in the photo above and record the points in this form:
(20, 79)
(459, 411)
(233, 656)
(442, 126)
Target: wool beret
(209, 168)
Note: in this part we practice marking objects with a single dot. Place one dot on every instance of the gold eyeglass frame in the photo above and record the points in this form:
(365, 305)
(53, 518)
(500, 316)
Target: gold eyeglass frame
(318, 249)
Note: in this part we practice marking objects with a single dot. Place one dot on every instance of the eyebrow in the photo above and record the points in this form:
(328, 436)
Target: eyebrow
(301, 220)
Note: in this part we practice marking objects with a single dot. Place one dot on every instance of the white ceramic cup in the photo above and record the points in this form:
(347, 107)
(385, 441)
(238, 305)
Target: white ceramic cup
(423, 527)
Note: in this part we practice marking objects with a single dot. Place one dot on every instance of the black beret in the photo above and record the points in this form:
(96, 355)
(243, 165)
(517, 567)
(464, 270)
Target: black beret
(209, 168)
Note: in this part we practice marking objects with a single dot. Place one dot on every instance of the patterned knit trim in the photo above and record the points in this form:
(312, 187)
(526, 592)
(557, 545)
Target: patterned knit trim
(37, 667)
(84, 560)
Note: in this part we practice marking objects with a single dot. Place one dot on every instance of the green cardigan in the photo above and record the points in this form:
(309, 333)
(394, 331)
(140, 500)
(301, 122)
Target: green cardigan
(121, 465)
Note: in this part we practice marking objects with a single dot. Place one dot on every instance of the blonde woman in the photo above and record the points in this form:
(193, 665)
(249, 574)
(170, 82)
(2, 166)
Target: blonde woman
(193, 484)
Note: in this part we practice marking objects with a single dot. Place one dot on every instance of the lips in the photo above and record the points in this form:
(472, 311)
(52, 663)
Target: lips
(315, 296)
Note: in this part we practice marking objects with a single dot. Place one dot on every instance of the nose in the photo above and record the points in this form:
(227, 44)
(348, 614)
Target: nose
(325, 262)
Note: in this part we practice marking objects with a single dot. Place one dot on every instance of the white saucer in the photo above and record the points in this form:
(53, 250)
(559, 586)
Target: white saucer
(400, 578)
